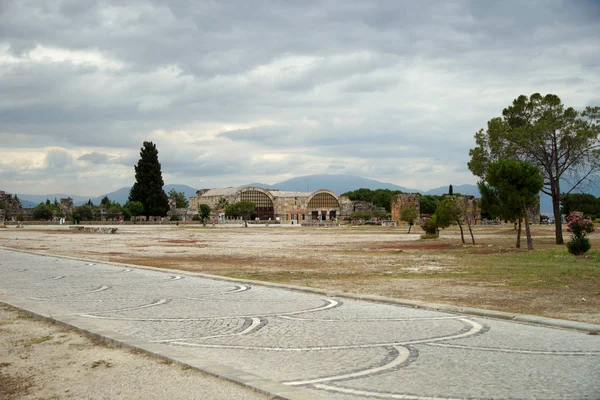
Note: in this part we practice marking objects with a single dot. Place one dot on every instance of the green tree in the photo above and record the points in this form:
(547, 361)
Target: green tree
(409, 215)
(148, 186)
(379, 197)
(562, 142)
(221, 204)
(428, 203)
(43, 212)
(114, 210)
(241, 209)
(105, 202)
(450, 190)
(586, 203)
(204, 212)
(85, 212)
(18, 201)
(180, 200)
(448, 212)
(133, 209)
(509, 189)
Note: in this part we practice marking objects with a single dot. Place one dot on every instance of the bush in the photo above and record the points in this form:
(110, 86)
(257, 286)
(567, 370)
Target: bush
(578, 246)
(196, 217)
(579, 228)
(430, 227)
(175, 218)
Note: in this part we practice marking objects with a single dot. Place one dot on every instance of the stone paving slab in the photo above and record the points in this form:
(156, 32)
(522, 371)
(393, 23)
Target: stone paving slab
(306, 345)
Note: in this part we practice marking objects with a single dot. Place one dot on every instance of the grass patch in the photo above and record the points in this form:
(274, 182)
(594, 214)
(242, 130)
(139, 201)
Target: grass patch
(40, 339)
(101, 363)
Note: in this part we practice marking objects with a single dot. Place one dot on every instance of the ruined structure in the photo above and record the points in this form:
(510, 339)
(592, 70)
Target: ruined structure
(402, 201)
(272, 204)
(10, 207)
(470, 205)
(66, 207)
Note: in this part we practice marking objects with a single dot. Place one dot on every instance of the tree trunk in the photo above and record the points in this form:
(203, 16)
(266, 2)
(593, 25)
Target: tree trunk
(557, 215)
(462, 235)
(471, 232)
(518, 245)
(409, 226)
(528, 231)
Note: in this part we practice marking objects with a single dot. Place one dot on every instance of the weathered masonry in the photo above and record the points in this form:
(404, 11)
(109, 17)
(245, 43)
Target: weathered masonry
(320, 205)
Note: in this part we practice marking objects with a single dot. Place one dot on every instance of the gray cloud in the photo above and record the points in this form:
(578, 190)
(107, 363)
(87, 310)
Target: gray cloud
(94, 158)
(239, 90)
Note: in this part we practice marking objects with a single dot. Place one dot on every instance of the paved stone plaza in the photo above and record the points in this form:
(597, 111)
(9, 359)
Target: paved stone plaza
(333, 348)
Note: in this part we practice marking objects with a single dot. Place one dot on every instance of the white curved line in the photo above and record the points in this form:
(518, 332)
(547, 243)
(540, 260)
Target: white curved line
(403, 354)
(100, 289)
(156, 303)
(475, 328)
(332, 303)
(518, 351)
(175, 278)
(239, 289)
(253, 325)
(56, 277)
(363, 393)
(370, 319)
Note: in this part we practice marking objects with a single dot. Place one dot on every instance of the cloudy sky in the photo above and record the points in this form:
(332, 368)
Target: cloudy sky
(238, 92)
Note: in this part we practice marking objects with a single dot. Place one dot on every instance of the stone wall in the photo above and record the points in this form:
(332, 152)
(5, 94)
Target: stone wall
(10, 205)
(471, 207)
(66, 207)
(405, 200)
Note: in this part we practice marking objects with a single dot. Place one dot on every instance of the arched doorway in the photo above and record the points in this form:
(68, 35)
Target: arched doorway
(264, 205)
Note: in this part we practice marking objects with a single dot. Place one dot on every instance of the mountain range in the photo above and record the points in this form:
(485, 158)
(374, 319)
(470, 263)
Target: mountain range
(336, 183)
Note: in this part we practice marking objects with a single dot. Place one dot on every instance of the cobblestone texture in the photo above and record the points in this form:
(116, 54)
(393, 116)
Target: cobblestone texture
(340, 349)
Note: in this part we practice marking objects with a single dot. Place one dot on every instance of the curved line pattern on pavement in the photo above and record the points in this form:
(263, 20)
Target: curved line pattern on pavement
(255, 325)
(402, 356)
(329, 303)
(236, 289)
(517, 351)
(153, 304)
(397, 353)
(474, 330)
(98, 289)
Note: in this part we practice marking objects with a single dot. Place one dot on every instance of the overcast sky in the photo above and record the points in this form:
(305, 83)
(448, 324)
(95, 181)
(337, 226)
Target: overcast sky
(250, 91)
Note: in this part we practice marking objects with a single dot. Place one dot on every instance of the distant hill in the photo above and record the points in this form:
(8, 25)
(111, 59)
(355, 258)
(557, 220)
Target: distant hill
(336, 183)
(120, 196)
(468, 190)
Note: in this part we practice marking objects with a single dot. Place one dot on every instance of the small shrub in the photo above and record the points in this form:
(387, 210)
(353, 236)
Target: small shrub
(175, 218)
(430, 227)
(196, 217)
(578, 246)
(579, 228)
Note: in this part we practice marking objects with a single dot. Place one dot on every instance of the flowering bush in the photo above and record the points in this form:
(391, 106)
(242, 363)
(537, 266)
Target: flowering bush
(579, 228)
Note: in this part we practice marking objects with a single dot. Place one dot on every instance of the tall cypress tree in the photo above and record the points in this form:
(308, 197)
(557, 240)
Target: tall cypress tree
(148, 186)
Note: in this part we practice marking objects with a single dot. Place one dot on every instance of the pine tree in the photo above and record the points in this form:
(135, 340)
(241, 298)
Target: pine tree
(450, 190)
(148, 186)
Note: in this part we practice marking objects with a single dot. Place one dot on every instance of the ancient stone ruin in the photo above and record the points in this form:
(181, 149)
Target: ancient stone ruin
(402, 201)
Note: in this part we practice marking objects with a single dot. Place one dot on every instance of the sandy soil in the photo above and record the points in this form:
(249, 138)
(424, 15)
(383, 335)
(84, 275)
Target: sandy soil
(39, 360)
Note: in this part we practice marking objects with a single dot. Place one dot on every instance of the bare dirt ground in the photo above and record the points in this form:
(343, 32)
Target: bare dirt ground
(40, 360)
(367, 260)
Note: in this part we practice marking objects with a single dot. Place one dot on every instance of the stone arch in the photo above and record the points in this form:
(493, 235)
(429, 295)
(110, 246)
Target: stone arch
(323, 198)
(262, 198)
